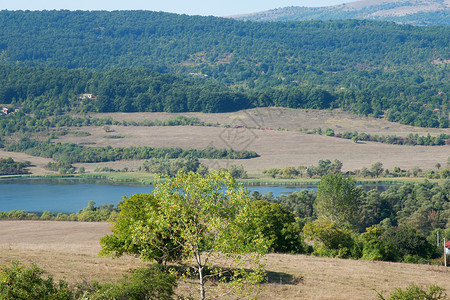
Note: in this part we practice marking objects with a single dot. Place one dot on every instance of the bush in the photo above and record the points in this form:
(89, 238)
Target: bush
(373, 248)
(20, 282)
(144, 283)
(279, 226)
(330, 239)
(409, 242)
(413, 292)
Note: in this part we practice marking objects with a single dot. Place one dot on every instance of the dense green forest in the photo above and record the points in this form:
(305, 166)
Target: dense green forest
(220, 64)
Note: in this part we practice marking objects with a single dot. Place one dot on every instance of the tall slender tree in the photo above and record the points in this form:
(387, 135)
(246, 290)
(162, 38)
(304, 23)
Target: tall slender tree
(337, 199)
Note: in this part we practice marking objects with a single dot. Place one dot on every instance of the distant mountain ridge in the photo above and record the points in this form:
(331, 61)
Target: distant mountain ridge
(414, 12)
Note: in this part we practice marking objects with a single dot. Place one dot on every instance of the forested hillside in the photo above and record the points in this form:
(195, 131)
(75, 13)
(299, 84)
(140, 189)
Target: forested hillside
(223, 65)
(416, 12)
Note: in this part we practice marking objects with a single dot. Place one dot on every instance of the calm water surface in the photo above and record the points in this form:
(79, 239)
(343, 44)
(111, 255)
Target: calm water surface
(70, 195)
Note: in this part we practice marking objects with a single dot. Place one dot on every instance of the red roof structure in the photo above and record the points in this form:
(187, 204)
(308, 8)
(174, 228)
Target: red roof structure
(447, 245)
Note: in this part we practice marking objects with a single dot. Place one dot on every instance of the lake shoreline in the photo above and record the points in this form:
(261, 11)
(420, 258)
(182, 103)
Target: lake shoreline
(146, 179)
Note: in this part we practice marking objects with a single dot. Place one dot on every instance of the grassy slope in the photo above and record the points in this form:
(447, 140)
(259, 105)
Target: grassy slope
(69, 250)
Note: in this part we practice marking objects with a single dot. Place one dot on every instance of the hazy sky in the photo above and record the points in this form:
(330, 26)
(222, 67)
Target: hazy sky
(190, 7)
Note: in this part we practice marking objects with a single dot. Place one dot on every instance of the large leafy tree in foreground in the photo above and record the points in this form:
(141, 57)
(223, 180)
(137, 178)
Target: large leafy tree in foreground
(191, 219)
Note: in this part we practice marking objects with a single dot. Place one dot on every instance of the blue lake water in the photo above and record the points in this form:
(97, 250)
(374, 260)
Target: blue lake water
(69, 195)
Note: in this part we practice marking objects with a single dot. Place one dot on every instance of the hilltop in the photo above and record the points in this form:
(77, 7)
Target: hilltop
(414, 12)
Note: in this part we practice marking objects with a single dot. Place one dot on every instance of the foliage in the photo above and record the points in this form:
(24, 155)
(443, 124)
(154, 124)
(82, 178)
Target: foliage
(135, 231)
(72, 153)
(315, 64)
(143, 283)
(410, 139)
(20, 282)
(330, 239)
(168, 167)
(91, 213)
(10, 167)
(374, 248)
(414, 292)
(324, 166)
(300, 203)
(201, 217)
(337, 199)
(237, 172)
(279, 226)
(62, 166)
(409, 242)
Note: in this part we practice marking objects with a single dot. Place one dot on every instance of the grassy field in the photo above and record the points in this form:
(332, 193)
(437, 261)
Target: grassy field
(260, 130)
(69, 250)
(287, 118)
(277, 149)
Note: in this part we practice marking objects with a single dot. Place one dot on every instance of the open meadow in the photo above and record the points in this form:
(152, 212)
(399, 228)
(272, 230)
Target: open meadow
(69, 250)
(271, 132)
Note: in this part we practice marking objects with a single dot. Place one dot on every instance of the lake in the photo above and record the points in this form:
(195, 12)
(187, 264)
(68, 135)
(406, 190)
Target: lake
(69, 195)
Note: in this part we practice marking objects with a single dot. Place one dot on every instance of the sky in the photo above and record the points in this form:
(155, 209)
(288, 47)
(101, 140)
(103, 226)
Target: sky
(189, 7)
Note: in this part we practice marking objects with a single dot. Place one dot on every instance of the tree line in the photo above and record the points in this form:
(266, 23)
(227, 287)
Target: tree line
(55, 91)
(10, 167)
(407, 78)
(73, 153)
(398, 224)
(410, 139)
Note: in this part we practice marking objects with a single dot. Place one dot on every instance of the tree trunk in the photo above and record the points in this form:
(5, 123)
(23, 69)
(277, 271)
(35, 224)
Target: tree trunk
(202, 283)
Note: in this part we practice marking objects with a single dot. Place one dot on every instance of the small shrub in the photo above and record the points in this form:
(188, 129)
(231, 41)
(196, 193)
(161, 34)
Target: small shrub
(414, 292)
(20, 282)
(144, 283)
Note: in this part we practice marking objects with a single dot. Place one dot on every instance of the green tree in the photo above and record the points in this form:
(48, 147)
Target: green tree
(337, 198)
(136, 232)
(373, 248)
(279, 226)
(330, 238)
(410, 243)
(202, 217)
(377, 169)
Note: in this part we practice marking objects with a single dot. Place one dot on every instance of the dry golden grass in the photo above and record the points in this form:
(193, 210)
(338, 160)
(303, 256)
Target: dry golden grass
(277, 148)
(68, 250)
(287, 118)
(37, 163)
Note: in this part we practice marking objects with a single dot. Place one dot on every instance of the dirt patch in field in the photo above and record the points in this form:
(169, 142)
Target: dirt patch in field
(68, 250)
